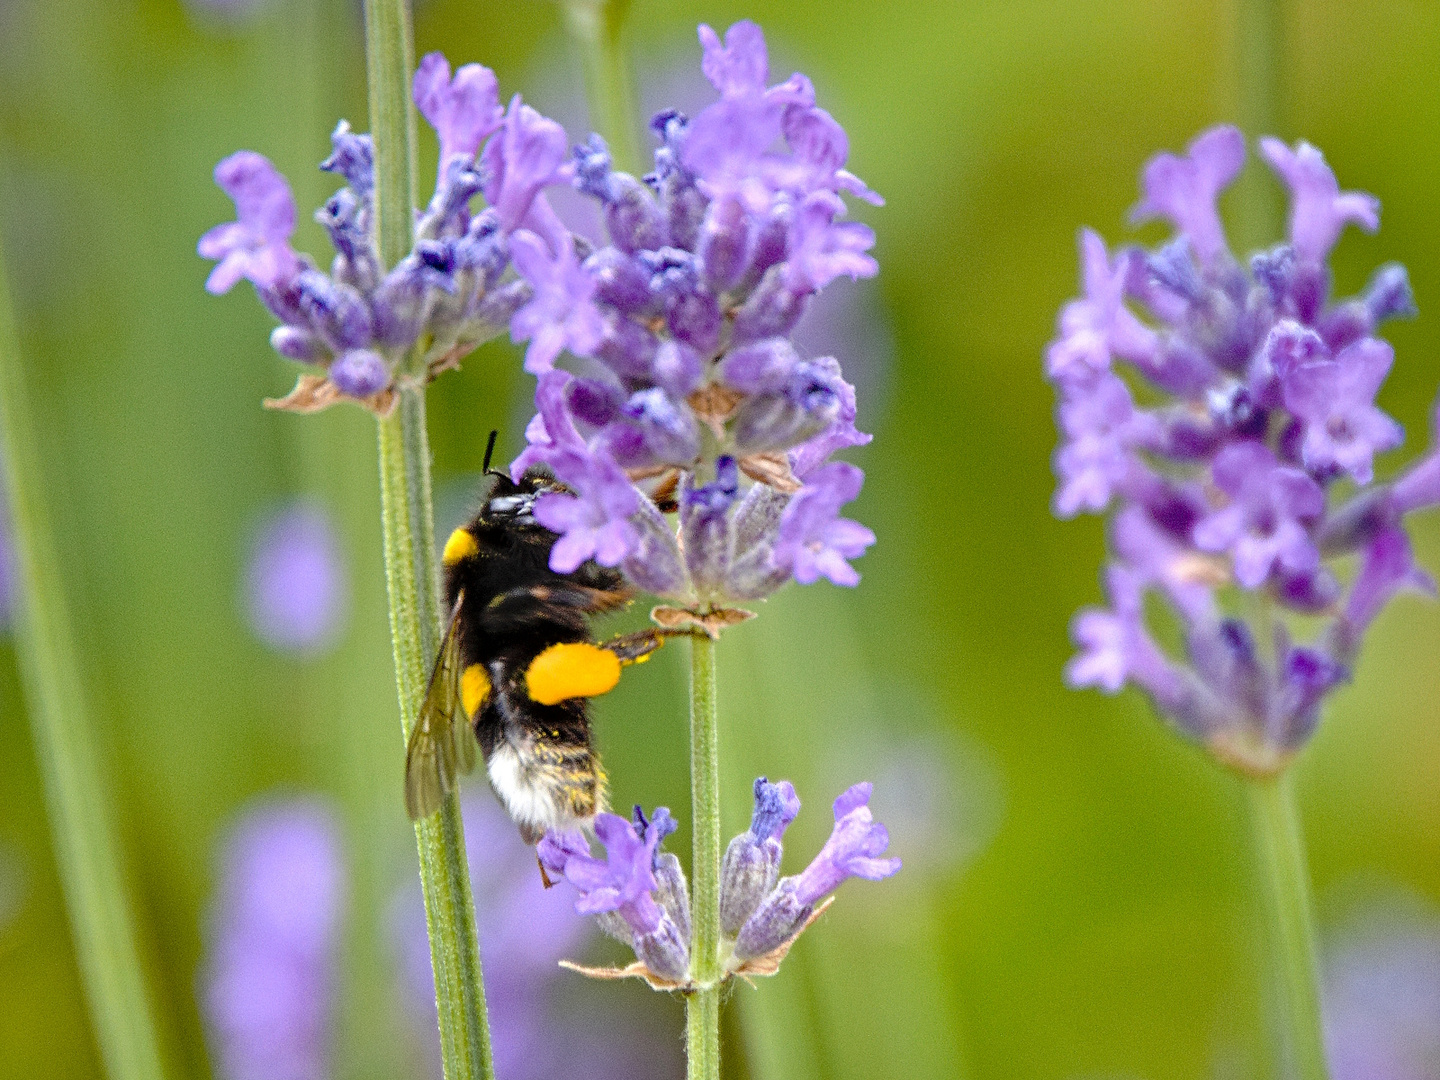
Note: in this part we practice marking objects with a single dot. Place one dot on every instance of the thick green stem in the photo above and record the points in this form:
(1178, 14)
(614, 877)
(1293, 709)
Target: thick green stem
(597, 27)
(1280, 851)
(702, 1007)
(1259, 49)
(87, 845)
(412, 576)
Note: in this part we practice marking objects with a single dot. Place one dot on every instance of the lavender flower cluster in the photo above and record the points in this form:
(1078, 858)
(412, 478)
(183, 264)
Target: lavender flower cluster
(1244, 470)
(361, 322)
(640, 897)
(679, 326)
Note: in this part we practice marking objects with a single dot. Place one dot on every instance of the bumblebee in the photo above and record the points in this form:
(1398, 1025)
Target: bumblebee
(519, 661)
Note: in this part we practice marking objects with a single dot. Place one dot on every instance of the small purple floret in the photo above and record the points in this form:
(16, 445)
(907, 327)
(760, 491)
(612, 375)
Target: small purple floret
(257, 244)
(813, 540)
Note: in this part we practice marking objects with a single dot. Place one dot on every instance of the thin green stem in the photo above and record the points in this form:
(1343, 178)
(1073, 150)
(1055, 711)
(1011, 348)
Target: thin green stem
(87, 844)
(412, 576)
(702, 1007)
(597, 27)
(1280, 851)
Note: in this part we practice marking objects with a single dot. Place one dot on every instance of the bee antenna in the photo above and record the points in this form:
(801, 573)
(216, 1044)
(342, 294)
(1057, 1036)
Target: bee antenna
(489, 451)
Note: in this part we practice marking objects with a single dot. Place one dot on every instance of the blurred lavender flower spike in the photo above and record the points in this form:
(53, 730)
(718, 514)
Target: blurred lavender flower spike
(296, 586)
(364, 327)
(269, 973)
(687, 384)
(624, 883)
(853, 850)
(1264, 398)
(1382, 994)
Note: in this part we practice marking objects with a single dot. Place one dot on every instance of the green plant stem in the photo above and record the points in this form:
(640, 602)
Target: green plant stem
(702, 1007)
(1259, 49)
(597, 26)
(412, 576)
(87, 844)
(1280, 851)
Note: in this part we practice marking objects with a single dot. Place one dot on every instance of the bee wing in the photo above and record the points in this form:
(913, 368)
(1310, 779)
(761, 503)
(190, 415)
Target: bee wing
(441, 739)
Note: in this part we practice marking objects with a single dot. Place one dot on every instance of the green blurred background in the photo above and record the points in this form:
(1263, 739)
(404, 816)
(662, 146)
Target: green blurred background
(1078, 897)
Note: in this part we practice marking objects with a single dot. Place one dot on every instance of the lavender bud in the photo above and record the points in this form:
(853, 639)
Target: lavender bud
(705, 526)
(752, 859)
(632, 217)
(297, 344)
(725, 244)
(673, 891)
(1389, 296)
(695, 319)
(627, 348)
(656, 565)
(360, 373)
(678, 368)
(622, 283)
(772, 310)
(337, 312)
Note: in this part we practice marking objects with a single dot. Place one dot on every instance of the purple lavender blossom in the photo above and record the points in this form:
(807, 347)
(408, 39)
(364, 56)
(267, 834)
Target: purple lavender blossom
(853, 850)
(813, 540)
(1264, 398)
(268, 977)
(257, 244)
(296, 586)
(624, 883)
(361, 323)
(1319, 211)
(464, 111)
(678, 331)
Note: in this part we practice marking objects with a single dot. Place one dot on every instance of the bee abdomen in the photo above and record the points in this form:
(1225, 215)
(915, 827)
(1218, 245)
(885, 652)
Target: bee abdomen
(547, 783)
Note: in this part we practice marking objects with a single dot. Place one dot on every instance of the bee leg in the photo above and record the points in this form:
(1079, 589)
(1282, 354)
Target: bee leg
(636, 648)
(544, 877)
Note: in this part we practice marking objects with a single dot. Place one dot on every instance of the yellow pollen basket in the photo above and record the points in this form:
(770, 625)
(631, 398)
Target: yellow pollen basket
(474, 688)
(571, 670)
(461, 545)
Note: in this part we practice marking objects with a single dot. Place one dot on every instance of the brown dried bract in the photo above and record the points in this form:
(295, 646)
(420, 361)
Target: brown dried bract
(771, 468)
(711, 622)
(314, 393)
(713, 403)
(637, 970)
(769, 964)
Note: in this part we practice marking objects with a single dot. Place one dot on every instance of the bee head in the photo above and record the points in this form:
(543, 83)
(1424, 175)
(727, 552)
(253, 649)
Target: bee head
(516, 499)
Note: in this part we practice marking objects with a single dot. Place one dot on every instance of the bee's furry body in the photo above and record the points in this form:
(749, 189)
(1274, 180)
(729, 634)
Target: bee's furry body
(508, 608)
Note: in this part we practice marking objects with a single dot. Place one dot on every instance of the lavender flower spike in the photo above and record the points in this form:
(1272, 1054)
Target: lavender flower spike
(853, 850)
(256, 245)
(752, 859)
(1264, 396)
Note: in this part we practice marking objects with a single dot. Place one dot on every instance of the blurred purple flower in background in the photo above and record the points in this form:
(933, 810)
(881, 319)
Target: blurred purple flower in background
(1228, 485)
(297, 589)
(267, 985)
(1382, 994)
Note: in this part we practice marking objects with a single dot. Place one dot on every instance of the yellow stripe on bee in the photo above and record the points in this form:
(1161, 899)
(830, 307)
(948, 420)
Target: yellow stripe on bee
(571, 670)
(459, 547)
(474, 688)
